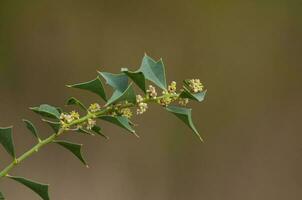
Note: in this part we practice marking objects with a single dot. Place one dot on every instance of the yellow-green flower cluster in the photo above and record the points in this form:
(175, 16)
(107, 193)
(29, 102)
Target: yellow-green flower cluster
(172, 88)
(90, 124)
(69, 117)
(195, 85)
(95, 107)
(126, 112)
(152, 92)
(142, 106)
(183, 101)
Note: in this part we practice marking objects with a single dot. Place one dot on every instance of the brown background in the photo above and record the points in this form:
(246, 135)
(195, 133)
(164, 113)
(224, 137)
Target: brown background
(248, 54)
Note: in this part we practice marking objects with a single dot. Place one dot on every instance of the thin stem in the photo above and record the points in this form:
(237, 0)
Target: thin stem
(65, 127)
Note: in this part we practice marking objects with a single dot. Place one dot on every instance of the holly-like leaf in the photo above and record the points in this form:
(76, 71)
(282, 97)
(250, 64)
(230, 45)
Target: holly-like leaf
(1, 196)
(137, 77)
(54, 125)
(74, 101)
(73, 148)
(46, 110)
(194, 96)
(30, 126)
(185, 115)
(154, 71)
(120, 121)
(6, 139)
(98, 131)
(94, 86)
(119, 96)
(38, 188)
(118, 81)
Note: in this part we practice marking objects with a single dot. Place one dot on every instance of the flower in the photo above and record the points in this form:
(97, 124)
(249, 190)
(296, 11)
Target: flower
(172, 87)
(68, 118)
(142, 107)
(152, 92)
(75, 115)
(195, 85)
(90, 124)
(139, 98)
(95, 107)
(183, 101)
(126, 112)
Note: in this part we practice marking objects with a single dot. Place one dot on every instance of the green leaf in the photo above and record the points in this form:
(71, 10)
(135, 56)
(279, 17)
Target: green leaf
(30, 126)
(74, 101)
(98, 131)
(154, 71)
(54, 125)
(117, 81)
(73, 148)
(94, 86)
(194, 96)
(85, 131)
(1, 196)
(6, 139)
(47, 111)
(137, 77)
(120, 121)
(38, 188)
(119, 96)
(185, 115)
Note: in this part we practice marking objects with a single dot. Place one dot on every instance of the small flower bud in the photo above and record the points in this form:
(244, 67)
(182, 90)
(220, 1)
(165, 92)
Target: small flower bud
(90, 124)
(95, 107)
(195, 85)
(126, 112)
(142, 107)
(75, 115)
(183, 101)
(66, 118)
(152, 92)
(139, 98)
(172, 87)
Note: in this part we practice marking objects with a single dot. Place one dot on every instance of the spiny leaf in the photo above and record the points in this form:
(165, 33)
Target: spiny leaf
(6, 139)
(1, 196)
(118, 96)
(74, 101)
(154, 71)
(120, 121)
(185, 115)
(73, 148)
(94, 86)
(54, 125)
(38, 188)
(117, 81)
(98, 131)
(194, 96)
(137, 77)
(30, 126)
(46, 110)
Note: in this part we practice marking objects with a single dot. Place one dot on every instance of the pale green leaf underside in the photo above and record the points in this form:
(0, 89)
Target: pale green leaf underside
(46, 110)
(74, 101)
(38, 188)
(120, 121)
(137, 77)
(94, 86)
(30, 126)
(185, 115)
(6, 139)
(116, 81)
(74, 148)
(154, 71)
(118, 96)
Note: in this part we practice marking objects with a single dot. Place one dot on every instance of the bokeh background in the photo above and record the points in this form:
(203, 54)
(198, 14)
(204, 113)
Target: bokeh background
(247, 53)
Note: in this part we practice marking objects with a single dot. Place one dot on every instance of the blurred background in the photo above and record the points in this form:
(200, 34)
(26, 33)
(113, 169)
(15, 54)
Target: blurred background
(247, 53)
